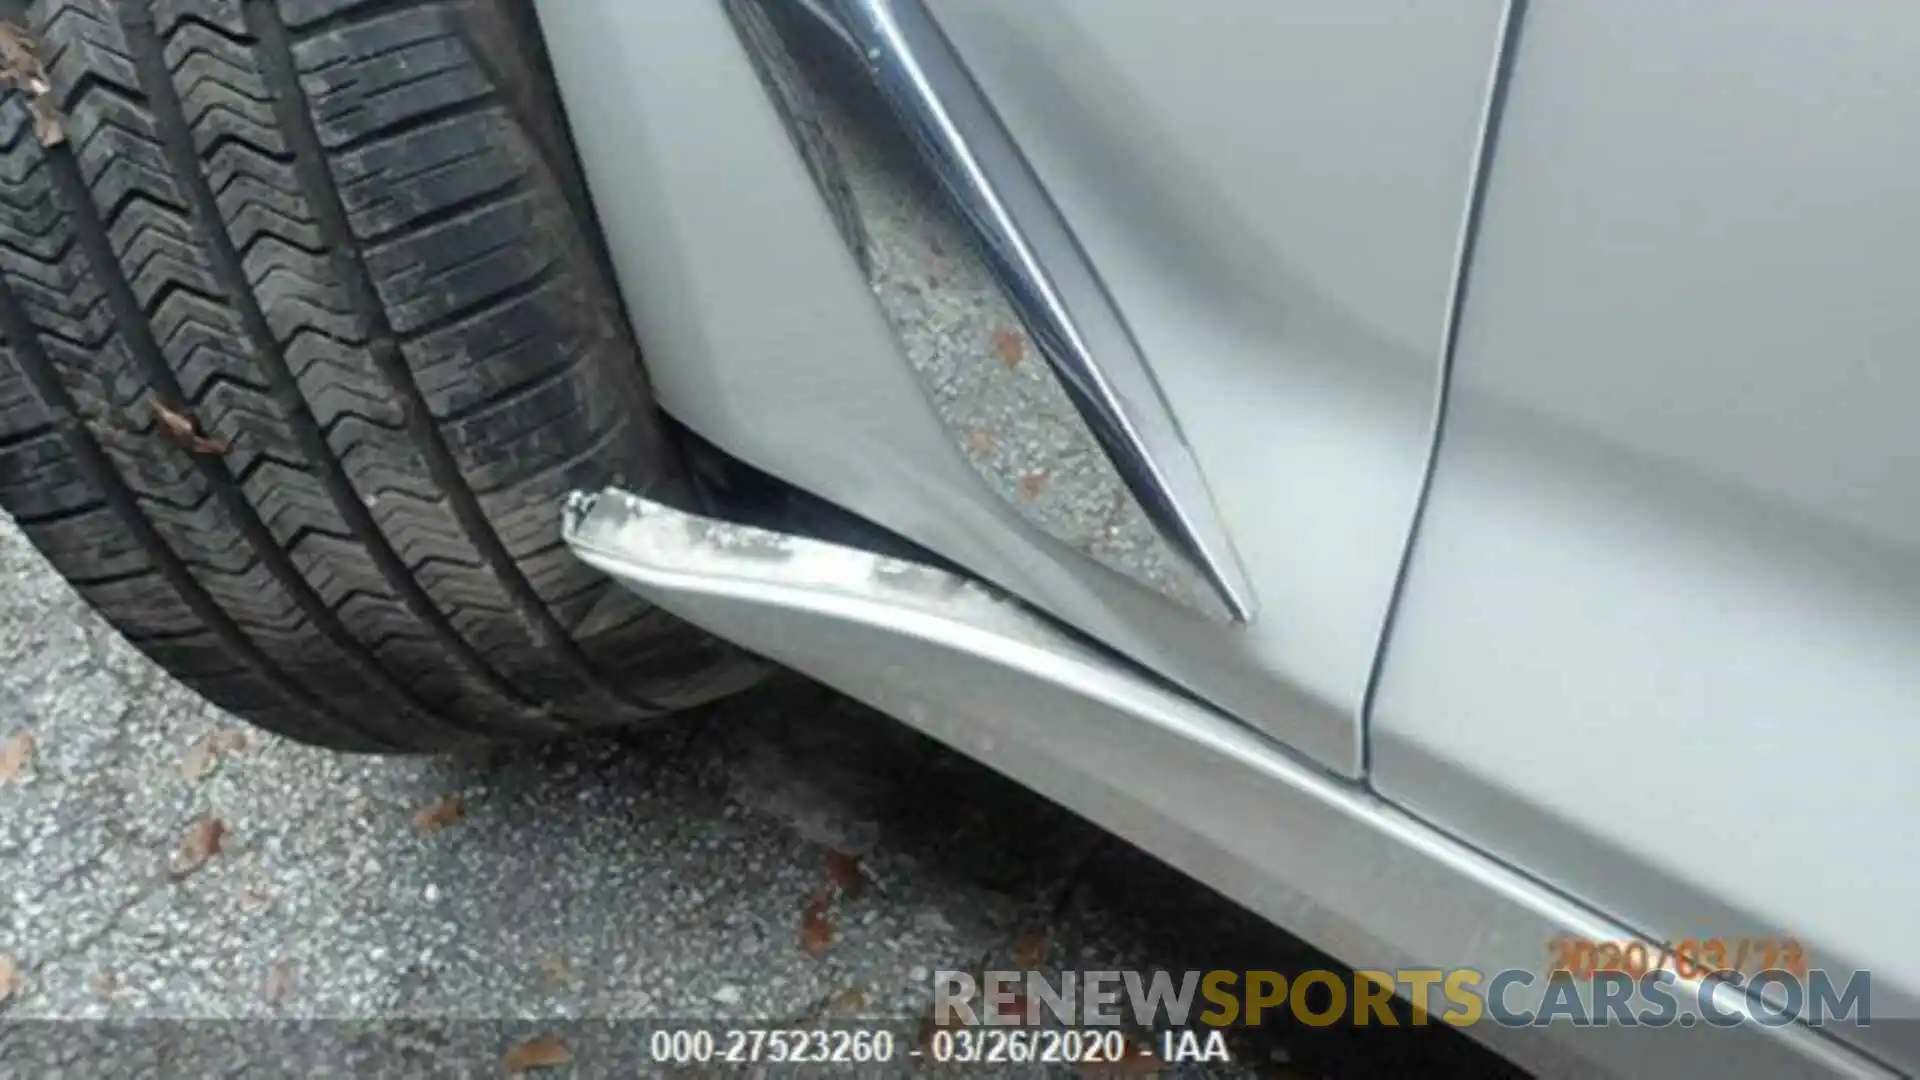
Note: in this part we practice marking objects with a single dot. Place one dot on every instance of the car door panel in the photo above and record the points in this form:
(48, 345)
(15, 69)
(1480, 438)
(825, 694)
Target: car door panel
(1657, 637)
(1271, 192)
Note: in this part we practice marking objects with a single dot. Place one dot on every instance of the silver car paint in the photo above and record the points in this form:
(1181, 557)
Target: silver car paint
(1665, 571)
(1043, 431)
(1660, 638)
(1007, 226)
(1331, 862)
(1295, 326)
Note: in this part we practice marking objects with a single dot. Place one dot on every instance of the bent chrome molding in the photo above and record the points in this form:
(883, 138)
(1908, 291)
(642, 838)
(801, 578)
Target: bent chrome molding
(1024, 249)
(1329, 860)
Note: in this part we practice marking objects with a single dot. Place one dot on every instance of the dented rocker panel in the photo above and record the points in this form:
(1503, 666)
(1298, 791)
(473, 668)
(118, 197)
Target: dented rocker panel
(976, 669)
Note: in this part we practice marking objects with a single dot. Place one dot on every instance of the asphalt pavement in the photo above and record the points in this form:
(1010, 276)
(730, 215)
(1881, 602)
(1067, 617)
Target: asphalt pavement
(181, 894)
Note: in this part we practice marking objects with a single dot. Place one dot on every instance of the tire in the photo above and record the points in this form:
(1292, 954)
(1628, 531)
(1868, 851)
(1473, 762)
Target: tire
(305, 339)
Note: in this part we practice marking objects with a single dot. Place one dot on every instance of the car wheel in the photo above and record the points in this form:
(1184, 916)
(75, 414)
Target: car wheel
(306, 337)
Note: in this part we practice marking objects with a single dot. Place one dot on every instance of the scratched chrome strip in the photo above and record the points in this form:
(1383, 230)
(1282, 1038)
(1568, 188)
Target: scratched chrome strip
(1352, 874)
(1085, 447)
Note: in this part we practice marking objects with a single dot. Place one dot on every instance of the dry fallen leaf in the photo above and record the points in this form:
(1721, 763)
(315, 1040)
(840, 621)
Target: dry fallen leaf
(539, 1052)
(204, 756)
(176, 425)
(1013, 1010)
(19, 55)
(15, 754)
(1008, 346)
(1030, 952)
(201, 757)
(555, 969)
(1032, 484)
(105, 985)
(845, 871)
(181, 430)
(360, 806)
(253, 901)
(20, 65)
(980, 442)
(202, 843)
(9, 976)
(444, 812)
(847, 1002)
(279, 981)
(816, 930)
(47, 127)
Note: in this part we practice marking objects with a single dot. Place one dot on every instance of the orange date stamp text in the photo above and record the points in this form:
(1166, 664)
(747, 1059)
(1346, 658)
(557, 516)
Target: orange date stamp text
(1737, 958)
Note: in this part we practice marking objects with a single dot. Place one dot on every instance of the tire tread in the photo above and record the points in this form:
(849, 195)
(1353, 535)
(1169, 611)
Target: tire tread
(324, 233)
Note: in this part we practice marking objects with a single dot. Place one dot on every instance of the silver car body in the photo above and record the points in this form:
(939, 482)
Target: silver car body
(1548, 371)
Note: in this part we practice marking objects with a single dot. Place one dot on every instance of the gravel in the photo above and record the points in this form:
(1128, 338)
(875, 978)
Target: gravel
(701, 869)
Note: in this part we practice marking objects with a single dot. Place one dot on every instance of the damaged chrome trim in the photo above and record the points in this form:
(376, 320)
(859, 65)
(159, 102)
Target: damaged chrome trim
(1334, 863)
(1031, 255)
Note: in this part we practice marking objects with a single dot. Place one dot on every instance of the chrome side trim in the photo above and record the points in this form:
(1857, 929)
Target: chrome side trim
(1031, 255)
(1330, 861)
